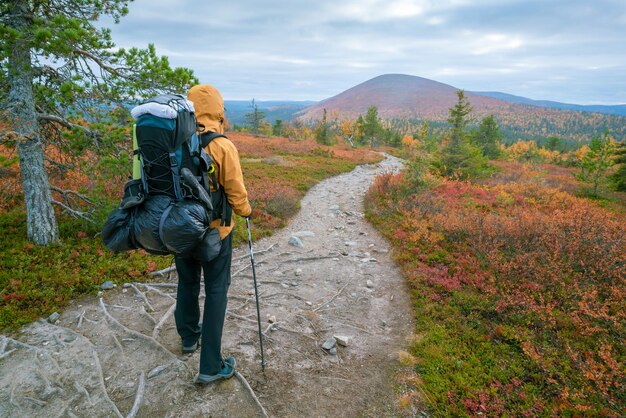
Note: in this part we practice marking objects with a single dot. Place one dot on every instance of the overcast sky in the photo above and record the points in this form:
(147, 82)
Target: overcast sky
(565, 50)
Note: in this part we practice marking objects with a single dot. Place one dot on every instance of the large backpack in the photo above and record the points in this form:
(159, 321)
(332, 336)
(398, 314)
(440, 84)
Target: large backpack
(168, 205)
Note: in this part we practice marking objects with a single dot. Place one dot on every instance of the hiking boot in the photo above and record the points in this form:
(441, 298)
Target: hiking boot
(189, 349)
(227, 371)
(230, 360)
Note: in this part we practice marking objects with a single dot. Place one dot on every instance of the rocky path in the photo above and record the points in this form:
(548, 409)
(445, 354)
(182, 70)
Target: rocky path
(335, 313)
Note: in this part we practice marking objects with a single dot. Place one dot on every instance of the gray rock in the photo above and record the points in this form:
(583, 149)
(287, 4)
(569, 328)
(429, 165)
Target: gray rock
(108, 285)
(329, 343)
(298, 272)
(333, 351)
(296, 242)
(126, 285)
(53, 318)
(351, 243)
(369, 284)
(342, 340)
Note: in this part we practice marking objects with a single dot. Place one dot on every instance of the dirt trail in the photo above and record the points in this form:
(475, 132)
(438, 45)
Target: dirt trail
(119, 354)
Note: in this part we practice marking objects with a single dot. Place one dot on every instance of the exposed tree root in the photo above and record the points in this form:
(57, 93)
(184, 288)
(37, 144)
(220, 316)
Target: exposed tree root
(247, 255)
(142, 296)
(245, 383)
(164, 318)
(103, 385)
(243, 318)
(333, 298)
(139, 397)
(134, 333)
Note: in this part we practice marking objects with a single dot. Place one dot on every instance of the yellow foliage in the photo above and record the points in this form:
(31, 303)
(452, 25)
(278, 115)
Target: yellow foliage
(549, 156)
(407, 359)
(408, 141)
(522, 150)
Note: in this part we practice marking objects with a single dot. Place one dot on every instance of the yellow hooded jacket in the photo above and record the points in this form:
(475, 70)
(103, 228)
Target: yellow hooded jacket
(209, 108)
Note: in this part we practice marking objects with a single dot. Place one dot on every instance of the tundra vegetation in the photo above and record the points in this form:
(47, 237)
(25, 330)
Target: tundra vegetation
(517, 267)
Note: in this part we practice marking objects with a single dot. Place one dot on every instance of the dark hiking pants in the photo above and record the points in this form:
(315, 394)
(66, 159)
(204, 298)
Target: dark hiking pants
(187, 314)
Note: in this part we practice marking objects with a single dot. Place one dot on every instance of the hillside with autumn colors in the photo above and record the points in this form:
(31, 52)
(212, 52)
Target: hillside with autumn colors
(398, 96)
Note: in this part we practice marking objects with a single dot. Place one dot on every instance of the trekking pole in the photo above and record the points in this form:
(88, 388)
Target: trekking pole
(256, 292)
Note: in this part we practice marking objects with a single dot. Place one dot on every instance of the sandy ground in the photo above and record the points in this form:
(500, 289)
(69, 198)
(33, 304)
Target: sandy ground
(118, 354)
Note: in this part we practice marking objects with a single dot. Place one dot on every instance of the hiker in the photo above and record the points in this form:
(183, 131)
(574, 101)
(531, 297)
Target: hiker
(226, 171)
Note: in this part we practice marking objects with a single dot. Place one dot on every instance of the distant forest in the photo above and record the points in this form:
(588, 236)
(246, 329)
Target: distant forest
(535, 123)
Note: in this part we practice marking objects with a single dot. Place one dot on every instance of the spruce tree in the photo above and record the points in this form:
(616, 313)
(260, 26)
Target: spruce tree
(254, 118)
(488, 137)
(371, 126)
(460, 158)
(618, 178)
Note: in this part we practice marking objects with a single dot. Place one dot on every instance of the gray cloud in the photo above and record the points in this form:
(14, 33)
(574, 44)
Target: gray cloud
(571, 51)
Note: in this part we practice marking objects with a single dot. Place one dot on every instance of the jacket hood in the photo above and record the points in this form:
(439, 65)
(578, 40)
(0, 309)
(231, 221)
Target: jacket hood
(209, 106)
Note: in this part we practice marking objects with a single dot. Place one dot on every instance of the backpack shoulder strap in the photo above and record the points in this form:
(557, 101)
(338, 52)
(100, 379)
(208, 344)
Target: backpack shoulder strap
(226, 210)
(206, 138)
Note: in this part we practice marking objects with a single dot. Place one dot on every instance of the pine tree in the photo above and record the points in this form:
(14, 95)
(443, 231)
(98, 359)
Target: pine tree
(59, 69)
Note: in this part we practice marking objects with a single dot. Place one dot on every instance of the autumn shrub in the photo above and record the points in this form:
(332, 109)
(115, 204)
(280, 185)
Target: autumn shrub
(519, 290)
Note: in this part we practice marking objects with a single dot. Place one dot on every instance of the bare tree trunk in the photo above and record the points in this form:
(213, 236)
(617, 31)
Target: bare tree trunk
(41, 223)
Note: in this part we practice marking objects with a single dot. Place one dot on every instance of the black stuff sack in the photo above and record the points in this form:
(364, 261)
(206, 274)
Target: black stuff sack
(117, 232)
(183, 226)
(209, 247)
(146, 224)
